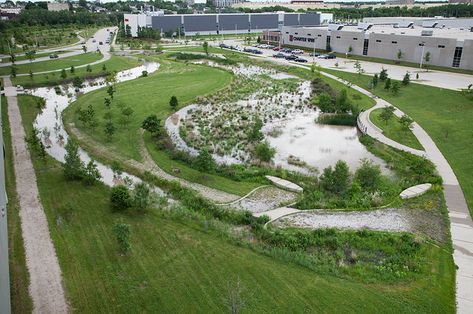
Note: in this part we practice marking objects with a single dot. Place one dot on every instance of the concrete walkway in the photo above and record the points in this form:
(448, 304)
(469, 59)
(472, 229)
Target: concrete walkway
(45, 288)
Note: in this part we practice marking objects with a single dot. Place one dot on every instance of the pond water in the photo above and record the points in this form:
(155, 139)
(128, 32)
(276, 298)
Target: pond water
(52, 132)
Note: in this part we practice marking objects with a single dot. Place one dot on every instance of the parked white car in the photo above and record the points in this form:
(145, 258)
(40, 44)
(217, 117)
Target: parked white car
(297, 52)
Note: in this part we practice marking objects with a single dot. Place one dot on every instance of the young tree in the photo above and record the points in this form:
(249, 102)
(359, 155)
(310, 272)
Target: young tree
(387, 84)
(350, 49)
(91, 173)
(107, 102)
(407, 79)
(141, 196)
(395, 87)
(13, 71)
(12, 57)
(387, 113)
(264, 152)
(109, 129)
(406, 122)
(152, 124)
(427, 59)
(173, 102)
(336, 180)
(383, 75)
(205, 161)
(73, 70)
(205, 45)
(84, 48)
(375, 80)
(30, 55)
(73, 166)
(417, 76)
(88, 68)
(126, 112)
(258, 40)
(63, 74)
(358, 67)
(122, 232)
(111, 90)
(77, 82)
(120, 197)
(31, 74)
(368, 175)
(255, 133)
(399, 55)
(104, 68)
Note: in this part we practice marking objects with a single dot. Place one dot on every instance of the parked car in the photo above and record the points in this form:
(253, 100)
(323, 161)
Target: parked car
(93, 40)
(324, 56)
(225, 46)
(279, 55)
(286, 50)
(291, 57)
(276, 48)
(299, 59)
(297, 52)
(253, 50)
(331, 56)
(53, 56)
(100, 43)
(314, 54)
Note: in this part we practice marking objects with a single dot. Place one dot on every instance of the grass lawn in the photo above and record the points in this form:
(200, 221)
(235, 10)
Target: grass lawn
(177, 266)
(38, 55)
(49, 79)
(445, 114)
(19, 277)
(56, 64)
(394, 130)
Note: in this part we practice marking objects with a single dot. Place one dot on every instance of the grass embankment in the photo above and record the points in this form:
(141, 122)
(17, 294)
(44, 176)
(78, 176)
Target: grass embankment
(19, 277)
(395, 130)
(38, 55)
(56, 64)
(445, 114)
(51, 79)
(177, 265)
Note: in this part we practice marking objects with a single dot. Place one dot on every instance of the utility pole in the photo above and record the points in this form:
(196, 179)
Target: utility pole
(5, 306)
(422, 54)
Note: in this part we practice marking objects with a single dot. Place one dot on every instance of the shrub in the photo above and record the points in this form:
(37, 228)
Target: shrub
(91, 174)
(120, 197)
(152, 124)
(204, 161)
(338, 119)
(141, 196)
(264, 152)
(72, 166)
(335, 180)
(122, 232)
(368, 175)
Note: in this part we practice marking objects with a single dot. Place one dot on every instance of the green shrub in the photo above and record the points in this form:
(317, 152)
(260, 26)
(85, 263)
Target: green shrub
(120, 197)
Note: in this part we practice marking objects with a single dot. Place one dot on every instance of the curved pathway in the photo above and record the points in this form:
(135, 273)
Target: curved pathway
(46, 290)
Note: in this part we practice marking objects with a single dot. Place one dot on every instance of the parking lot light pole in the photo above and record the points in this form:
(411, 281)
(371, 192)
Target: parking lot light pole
(422, 54)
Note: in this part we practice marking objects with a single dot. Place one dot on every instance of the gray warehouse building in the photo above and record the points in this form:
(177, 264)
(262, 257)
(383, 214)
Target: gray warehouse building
(192, 24)
(448, 47)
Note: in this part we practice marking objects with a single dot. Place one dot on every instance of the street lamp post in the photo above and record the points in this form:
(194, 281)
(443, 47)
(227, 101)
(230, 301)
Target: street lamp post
(422, 54)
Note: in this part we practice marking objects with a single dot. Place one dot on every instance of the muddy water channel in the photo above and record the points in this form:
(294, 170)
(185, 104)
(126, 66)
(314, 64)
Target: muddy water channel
(281, 102)
(49, 121)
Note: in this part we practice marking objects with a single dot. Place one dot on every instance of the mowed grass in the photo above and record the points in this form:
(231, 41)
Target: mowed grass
(394, 130)
(151, 96)
(54, 64)
(115, 63)
(445, 114)
(19, 277)
(36, 56)
(178, 266)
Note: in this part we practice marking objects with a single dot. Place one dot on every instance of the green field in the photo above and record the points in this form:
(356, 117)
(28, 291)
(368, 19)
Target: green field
(19, 277)
(445, 114)
(54, 78)
(56, 64)
(178, 265)
(394, 130)
(38, 55)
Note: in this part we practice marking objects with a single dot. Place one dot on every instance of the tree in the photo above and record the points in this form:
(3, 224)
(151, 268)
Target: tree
(88, 68)
(325, 102)
(111, 90)
(204, 161)
(122, 233)
(383, 75)
(387, 113)
(395, 87)
(342, 104)
(77, 82)
(12, 57)
(368, 175)
(336, 180)
(13, 71)
(427, 58)
(313, 67)
(173, 102)
(417, 76)
(141, 196)
(109, 129)
(407, 79)
(358, 67)
(152, 124)
(387, 84)
(258, 40)
(350, 49)
(127, 112)
(107, 102)
(91, 173)
(84, 48)
(31, 74)
(375, 80)
(399, 55)
(255, 133)
(264, 152)
(205, 45)
(30, 54)
(406, 122)
(73, 166)
(63, 74)
(104, 68)
(73, 70)
(120, 197)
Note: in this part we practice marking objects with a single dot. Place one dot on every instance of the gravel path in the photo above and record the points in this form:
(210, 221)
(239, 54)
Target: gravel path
(264, 199)
(45, 288)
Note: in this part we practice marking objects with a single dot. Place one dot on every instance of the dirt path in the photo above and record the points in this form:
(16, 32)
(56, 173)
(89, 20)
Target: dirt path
(45, 288)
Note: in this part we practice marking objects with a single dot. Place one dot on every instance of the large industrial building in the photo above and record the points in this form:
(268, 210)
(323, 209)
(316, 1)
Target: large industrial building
(446, 46)
(204, 24)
